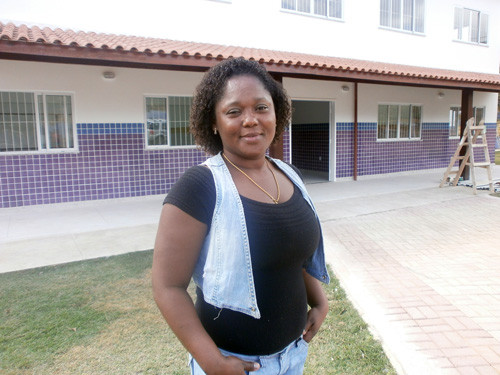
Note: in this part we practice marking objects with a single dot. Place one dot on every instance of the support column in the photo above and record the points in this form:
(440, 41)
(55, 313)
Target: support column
(467, 112)
(276, 149)
(355, 146)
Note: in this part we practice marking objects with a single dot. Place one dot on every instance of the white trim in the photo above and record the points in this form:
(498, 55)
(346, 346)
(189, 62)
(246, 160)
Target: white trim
(314, 15)
(408, 32)
(47, 149)
(398, 138)
(468, 37)
(332, 150)
(167, 146)
(326, 18)
(401, 18)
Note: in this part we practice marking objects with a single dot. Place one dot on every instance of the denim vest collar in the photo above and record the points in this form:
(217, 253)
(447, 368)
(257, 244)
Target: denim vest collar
(224, 268)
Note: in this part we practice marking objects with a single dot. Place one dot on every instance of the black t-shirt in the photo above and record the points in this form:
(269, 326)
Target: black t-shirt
(282, 237)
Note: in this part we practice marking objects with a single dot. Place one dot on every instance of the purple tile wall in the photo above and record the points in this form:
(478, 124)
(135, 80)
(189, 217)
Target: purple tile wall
(345, 149)
(112, 162)
(433, 150)
(286, 146)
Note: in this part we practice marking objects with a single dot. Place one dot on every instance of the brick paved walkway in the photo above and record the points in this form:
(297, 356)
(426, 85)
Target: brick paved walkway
(426, 279)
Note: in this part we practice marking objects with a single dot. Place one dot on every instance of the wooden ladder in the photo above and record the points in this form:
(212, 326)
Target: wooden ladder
(470, 139)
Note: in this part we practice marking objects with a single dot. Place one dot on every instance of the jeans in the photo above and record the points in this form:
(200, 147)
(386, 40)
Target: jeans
(289, 361)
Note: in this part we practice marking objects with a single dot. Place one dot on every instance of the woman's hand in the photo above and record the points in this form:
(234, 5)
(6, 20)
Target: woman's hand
(317, 300)
(315, 318)
(233, 366)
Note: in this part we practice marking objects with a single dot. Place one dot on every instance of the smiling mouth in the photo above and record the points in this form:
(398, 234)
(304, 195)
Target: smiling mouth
(251, 135)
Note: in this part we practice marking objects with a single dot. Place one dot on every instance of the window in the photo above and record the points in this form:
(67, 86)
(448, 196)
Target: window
(35, 122)
(471, 26)
(399, 121)
(325, 8)
(455, 114)
(455, 118)
(407, 15)
(167, 121)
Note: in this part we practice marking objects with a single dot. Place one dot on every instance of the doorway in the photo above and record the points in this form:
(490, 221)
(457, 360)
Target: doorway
(312, 139)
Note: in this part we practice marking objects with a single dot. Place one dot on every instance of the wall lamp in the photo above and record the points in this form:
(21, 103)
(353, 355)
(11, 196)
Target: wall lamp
(440, 95)
(345, 88)
(108, 75)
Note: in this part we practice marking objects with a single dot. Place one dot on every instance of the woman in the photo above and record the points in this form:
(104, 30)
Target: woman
(243, 227)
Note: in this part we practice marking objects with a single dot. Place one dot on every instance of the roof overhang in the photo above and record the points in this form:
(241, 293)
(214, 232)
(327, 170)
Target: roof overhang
(199, 57)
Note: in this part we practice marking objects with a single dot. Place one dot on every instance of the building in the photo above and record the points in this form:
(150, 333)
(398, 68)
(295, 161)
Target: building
(87, 116)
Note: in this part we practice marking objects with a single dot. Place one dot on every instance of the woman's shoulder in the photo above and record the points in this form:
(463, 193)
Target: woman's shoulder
(194, 193)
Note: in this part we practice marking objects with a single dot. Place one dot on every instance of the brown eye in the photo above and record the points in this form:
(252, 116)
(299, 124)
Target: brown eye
(233, 112)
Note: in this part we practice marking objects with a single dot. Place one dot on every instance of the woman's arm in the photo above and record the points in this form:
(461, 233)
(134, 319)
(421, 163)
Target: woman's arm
(317, 300)
(177, 248)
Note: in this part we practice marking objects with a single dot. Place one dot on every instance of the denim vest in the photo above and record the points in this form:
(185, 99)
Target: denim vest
(224, 268)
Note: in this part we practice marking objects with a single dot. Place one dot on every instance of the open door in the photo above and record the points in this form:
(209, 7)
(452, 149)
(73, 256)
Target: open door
(312, 139)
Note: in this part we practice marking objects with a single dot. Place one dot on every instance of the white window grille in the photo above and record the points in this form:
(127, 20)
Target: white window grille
(167, 121)
(471, 26)
(407, 15)
(323, 8)
(456, 115)
(36, 122)
(399, 121)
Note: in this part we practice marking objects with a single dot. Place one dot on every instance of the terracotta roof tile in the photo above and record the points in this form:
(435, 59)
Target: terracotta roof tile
(151, 46)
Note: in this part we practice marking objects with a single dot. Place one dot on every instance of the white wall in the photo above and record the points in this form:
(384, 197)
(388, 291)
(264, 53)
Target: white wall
(121, 100)
(262, 24)
(435, 109)
(304, 89)
(98, 100)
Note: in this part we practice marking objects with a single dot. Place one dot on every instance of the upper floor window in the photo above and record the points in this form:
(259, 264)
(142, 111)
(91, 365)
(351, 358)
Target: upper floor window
(471, 26)
(455, 118)
(36, 122)
(325, 8)
(407, 15)
(399, 121)
(167, 121)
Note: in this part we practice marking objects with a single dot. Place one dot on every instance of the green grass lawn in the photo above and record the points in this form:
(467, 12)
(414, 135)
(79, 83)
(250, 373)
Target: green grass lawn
(99, 317)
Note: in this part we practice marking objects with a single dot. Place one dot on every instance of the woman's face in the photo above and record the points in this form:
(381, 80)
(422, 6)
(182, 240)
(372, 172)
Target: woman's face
(245, 118)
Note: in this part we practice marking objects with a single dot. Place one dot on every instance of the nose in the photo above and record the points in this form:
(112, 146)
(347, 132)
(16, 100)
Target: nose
(249, 119)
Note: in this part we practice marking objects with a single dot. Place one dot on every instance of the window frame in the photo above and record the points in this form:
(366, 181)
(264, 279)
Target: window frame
(455, 107)
(38, 126)
(312, 13)
(398, 137)
(167, 146)
(402, 16)
(480, 30)
(455, 115)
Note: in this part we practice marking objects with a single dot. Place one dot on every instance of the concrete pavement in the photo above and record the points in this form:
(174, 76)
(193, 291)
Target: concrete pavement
(421, 264)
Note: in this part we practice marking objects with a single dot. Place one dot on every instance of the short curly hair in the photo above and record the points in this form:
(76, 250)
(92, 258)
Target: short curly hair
(211, 89)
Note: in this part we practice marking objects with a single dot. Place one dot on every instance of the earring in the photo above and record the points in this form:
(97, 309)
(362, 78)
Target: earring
(215, 131)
